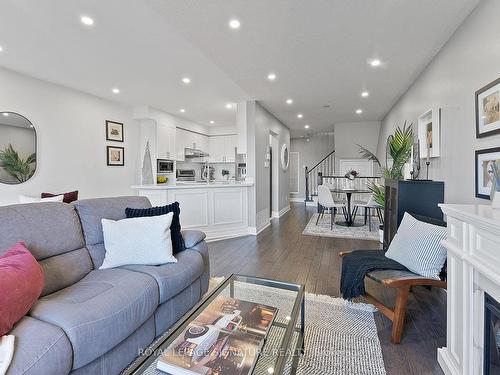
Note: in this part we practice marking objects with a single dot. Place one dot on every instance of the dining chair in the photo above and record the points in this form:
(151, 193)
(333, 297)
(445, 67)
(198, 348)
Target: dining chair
(326, 202)
(369, 206)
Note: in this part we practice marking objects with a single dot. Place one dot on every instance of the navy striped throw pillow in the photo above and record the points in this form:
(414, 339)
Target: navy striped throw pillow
(175, 228)
(417, 246)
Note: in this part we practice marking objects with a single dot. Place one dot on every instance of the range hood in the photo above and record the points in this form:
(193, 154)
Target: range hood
(192, 153)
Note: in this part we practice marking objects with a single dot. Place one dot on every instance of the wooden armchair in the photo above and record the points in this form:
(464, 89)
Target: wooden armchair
(402, 281)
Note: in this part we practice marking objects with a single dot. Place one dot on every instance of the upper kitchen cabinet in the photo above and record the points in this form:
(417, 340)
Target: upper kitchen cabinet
(222, 148)
(165, 141)
(188, 139)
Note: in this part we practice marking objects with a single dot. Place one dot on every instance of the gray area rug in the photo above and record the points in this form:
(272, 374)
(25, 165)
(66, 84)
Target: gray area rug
(323, 228)
(340, 336)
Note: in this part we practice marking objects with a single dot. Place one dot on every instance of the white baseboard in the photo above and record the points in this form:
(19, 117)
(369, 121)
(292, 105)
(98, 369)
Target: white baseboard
(254, 231)
(301, 200)
(446, 363)
(280, 213)
(312, 204)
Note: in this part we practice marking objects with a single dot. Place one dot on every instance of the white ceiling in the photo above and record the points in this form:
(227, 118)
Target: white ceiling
(318, 50)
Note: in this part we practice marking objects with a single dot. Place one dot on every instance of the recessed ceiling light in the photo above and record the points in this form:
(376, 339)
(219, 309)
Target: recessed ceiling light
(306, 126)
(359, 111)
(212, 121)
(186, 80)
(234, 24)
(116, 90)
(229, 106)
(5, 114)
(271, 76)
(300, 115)
(86, 20)
(182, 110)
(375, 62)
(1, 48)
(364, 94)
(289, 101)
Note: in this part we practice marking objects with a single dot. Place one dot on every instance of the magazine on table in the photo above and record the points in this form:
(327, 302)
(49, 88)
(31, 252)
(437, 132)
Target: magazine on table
(225, 339)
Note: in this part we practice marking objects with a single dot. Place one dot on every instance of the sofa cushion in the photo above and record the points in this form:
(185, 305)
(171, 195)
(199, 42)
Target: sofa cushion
(92, 211)
(40, 348)
(175, 228)
(173, 278)
(52, 233)
(21, 282)
(138, 240)
(99, 311)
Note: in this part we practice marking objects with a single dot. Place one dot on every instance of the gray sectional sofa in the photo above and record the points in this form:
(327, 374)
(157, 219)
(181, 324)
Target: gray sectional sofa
(91, 321)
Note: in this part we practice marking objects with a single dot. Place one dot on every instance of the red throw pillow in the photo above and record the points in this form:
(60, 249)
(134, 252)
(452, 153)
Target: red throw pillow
(21, 282)
(68, 197)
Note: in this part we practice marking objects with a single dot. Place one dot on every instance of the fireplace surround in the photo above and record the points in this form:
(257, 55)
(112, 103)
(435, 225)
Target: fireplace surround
(473, 244)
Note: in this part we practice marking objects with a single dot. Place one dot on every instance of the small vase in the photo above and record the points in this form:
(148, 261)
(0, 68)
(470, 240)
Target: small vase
(495, 200)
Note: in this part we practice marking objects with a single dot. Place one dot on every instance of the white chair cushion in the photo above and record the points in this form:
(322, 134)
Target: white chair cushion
(140, 240)
(417, 246)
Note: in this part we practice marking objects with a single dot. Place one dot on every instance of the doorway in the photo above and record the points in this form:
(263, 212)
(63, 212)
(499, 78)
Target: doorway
(273, 160)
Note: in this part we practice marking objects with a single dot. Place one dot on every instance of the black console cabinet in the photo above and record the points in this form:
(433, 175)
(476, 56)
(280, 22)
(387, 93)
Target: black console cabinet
(412, 196)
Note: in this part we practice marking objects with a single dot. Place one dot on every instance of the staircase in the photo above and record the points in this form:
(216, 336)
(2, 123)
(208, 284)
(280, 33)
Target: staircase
(325, 167)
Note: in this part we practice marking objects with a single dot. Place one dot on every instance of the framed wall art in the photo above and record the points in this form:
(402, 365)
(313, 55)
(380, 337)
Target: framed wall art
(429, 133)
(484, 172)
(114, 131)
(115, 156)
(488, 110)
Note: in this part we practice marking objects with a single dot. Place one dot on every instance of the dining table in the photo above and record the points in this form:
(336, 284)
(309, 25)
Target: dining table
(349, 222)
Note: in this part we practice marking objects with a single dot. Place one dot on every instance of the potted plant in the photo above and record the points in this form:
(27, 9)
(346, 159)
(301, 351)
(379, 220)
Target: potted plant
(225, 174)
(397, 154)
(495, 186)
(19, 168)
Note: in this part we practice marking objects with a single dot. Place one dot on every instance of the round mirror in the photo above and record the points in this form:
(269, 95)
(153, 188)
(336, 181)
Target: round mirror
(285, 158)
(17, 148)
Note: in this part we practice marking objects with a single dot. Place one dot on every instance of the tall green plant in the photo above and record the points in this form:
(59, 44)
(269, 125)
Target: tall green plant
(19, 168)
(397, 154)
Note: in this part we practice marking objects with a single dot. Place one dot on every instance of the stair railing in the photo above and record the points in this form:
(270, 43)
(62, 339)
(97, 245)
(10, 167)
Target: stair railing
(325, 166)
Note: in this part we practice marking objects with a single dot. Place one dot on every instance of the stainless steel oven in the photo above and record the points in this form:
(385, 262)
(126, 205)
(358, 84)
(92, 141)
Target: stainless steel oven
(164, 166)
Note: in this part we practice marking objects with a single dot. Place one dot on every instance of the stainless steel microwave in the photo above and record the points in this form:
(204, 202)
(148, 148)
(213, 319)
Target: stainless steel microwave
(164, 166)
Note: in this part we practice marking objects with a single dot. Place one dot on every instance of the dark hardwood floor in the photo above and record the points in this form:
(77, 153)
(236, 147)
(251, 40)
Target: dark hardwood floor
(283, 252)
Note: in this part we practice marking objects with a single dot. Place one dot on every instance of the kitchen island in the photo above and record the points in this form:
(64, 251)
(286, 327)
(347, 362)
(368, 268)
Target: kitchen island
(220, 209)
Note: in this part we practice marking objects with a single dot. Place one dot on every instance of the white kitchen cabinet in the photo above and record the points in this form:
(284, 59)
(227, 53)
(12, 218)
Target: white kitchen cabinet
(216, 149)
(222, 148)
(165, 141)
(230, 143)
(180, 144)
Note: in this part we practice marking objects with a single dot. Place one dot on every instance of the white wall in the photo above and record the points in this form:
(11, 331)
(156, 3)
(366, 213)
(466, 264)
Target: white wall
(71, 139)
(349, 134)
(260, 123)
(310, 153)
(469, 61)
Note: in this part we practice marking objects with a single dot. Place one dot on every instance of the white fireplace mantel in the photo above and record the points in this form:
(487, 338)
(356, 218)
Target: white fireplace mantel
(473, 244)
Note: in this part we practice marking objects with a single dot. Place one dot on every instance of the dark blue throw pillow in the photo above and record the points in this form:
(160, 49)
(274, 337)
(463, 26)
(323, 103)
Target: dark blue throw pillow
(175, 228)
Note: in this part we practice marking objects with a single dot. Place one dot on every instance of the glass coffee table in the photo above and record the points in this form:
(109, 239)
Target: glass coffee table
(285, 339)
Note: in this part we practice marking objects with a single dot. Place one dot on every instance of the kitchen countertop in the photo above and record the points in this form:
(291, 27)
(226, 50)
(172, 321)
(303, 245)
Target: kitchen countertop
(193, 185)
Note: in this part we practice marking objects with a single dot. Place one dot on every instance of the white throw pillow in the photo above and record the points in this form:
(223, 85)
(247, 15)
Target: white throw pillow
(139, 240)
(27, 199)
(417, 246)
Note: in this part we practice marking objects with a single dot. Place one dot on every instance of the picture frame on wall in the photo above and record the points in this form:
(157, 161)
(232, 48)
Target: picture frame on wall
(114, 131)
(429, 133)
(488, 110)
(115, 156)
(484, 177)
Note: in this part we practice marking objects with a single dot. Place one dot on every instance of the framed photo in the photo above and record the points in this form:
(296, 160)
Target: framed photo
(429, 133)
(487, 110)
(114, 131)
(115, 156)
(484, 174)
